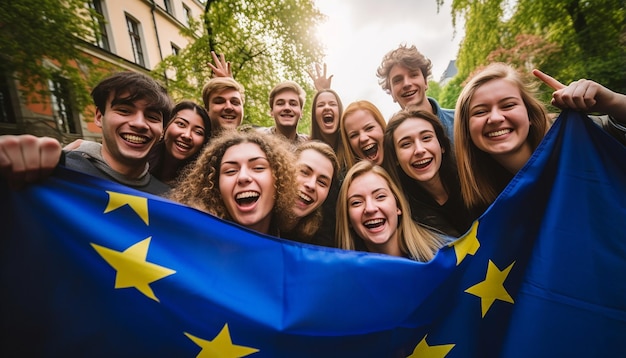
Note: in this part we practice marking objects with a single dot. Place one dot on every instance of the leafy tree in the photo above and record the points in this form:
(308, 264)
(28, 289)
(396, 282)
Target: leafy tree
(39, 40)
(434, 89)
(266, 41)
(568, 39)
(450, 92)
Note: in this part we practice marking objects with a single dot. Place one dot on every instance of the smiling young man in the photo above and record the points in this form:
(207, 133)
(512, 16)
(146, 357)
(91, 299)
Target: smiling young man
(403, 73)
(286, 103)
(130, 109)
(223, 99)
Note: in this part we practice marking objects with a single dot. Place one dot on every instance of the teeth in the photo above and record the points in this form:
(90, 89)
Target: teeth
(134, 138)
(307, 199)
(183, 145)
(368, 147)
(409, 94)
(246, 195)
(499, 133)
(228, 117)
(423, 161)
(373, 222)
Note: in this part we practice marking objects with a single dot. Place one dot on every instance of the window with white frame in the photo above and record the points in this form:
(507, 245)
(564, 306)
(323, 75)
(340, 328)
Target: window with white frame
(101, 34)
(168, 6)
(175, 49)
(135, 40)
(62, 104)
(187, 14)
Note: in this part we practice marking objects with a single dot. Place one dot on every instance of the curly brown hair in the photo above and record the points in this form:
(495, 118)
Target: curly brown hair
(407, 56)
(199, 186)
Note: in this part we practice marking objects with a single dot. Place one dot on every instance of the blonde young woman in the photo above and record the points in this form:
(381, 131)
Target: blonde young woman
(243, 177)
(373, 215)
(499, 123)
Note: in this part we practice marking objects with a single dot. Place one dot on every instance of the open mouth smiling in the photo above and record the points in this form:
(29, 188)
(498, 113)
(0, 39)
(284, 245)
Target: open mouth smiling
(135, 139)
(183, 146)
(370, 150)
(420, 164)
(409, 94)
(305, 198)
(498, 133)
(247, 198)
(374, 223)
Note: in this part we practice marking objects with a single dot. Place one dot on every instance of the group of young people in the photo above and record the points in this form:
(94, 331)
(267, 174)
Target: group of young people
(402, 187)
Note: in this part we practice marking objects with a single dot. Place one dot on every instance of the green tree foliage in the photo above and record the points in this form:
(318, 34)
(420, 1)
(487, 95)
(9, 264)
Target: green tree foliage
(434, 90)
(38, 40)
(568, 39)
(266, 41)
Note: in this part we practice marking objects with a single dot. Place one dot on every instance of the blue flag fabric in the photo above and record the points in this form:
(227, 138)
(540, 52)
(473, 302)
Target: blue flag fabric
(92, 268)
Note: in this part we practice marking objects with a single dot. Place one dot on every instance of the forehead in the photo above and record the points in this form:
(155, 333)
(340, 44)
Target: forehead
(190, 116)
(495, 90)
(367, 183)
(326, 96)
(243, 152)
(359, 118)
(398, 69)
(412, 126)
(316, 161)
(286, 94)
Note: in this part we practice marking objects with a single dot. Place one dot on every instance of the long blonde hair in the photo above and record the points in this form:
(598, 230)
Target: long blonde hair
(480, 175)
(415, 241)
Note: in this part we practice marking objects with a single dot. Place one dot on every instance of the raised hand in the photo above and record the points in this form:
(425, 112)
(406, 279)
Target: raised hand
(221, 68)
(320, 81)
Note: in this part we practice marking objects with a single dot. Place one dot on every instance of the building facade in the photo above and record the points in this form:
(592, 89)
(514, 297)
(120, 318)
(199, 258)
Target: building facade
(135, 35)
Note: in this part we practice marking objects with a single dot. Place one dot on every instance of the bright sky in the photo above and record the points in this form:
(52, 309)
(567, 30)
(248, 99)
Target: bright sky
(358, 33)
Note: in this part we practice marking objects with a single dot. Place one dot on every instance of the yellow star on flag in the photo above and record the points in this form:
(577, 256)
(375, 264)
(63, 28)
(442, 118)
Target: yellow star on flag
(492, 288)
(424, 350)
(467, 245)
(221, 346)
(138, 203)
(132, 268)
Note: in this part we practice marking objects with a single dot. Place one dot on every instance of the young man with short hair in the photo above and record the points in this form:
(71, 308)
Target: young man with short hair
(223, 99)
(403, 73)
(130, 108)
(286, 104)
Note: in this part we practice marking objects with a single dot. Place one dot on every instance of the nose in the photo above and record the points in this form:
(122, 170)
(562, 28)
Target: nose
(370, 207)
(244, 176)
(363, 137)
(186, 133)
(495, 115)
(139, 120)
(419, 148)
(228, 105)
(309, 182)
(405, 82)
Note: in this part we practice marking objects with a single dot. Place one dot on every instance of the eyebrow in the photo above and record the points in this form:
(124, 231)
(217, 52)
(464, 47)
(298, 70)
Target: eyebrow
(420, 132)
(249, 160)
(373, 192)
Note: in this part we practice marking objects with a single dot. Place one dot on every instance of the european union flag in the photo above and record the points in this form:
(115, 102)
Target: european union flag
(92, 268)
